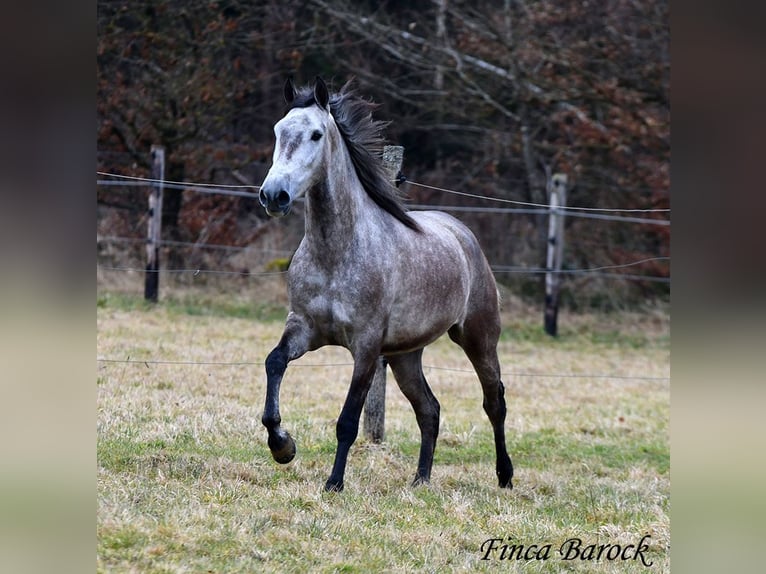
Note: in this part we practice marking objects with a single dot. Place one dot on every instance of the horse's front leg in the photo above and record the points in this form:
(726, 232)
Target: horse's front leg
(293, 344)
(347, 427)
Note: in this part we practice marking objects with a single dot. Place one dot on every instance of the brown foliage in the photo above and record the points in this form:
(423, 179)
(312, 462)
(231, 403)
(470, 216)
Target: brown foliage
(487, 98)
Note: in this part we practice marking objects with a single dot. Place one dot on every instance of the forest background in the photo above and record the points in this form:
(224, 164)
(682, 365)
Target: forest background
(487, 98)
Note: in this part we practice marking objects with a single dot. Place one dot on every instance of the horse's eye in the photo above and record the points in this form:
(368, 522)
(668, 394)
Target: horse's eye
(316, 136)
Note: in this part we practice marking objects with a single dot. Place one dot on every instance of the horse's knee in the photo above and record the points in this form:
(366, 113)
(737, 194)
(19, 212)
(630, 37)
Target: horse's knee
(276, 362)
(495, 407)
(346, 430)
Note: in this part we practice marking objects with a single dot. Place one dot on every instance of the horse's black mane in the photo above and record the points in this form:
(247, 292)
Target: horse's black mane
(364, 140)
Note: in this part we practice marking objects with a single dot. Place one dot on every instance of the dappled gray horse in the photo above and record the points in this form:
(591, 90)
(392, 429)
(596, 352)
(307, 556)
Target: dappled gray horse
(371, 277)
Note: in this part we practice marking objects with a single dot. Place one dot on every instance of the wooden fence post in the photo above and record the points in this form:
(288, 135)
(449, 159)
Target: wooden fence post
(153, 228)
(557, 188)
(375, 404)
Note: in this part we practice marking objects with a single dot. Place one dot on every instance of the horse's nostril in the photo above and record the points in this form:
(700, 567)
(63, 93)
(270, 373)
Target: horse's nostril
(283, 199)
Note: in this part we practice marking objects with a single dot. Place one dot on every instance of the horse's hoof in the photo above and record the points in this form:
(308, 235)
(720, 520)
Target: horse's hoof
(332, 486)
(506, 484)
(420, 481)
(282, 448)
(504, 476)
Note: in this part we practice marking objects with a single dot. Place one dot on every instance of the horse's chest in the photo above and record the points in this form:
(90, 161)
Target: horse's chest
(333, 302)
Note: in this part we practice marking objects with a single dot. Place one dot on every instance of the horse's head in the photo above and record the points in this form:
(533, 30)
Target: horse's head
(299, 150)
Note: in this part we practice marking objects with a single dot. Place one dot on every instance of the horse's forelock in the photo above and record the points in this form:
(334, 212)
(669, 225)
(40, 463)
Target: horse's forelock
(304, 98)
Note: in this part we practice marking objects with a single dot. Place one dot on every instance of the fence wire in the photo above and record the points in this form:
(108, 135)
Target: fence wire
(526, 208)
(572, 210)
(126, 181)
(151, 362)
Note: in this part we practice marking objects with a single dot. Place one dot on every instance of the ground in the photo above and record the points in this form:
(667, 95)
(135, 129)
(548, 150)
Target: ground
(186, 482)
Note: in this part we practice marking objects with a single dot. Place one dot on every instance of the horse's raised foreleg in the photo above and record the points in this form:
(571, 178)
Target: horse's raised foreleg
(292, 345)
(347, 427)
(408, 371)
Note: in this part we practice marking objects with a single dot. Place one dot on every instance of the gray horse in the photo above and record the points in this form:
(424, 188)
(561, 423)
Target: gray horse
(371, 277)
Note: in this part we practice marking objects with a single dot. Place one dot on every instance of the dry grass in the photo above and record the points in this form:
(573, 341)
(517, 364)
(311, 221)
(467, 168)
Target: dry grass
(186, 482)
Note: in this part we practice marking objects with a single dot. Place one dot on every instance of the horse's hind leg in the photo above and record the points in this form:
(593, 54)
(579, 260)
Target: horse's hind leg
(480, 345)
(408, 372)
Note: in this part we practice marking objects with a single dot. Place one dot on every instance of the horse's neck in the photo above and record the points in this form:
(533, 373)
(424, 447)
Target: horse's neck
(336, 211)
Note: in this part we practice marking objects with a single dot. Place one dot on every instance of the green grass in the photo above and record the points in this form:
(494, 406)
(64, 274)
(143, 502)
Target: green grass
(194, 304)
(186, 482)
(585, 334)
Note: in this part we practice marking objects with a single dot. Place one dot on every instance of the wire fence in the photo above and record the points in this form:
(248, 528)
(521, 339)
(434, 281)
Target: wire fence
(225, 189)
(520, 207)
(152, 362)
(495, 268)
(529, 208)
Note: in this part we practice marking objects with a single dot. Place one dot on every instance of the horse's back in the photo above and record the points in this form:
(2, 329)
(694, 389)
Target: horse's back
(438, 222)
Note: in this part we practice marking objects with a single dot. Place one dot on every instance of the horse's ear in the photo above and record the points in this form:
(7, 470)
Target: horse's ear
(321, 94)
(289, 90)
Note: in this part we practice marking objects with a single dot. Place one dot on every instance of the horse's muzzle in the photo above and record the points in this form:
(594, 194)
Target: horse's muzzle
(276, 202)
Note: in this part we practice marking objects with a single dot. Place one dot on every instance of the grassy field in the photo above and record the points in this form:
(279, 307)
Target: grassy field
(186, 482)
